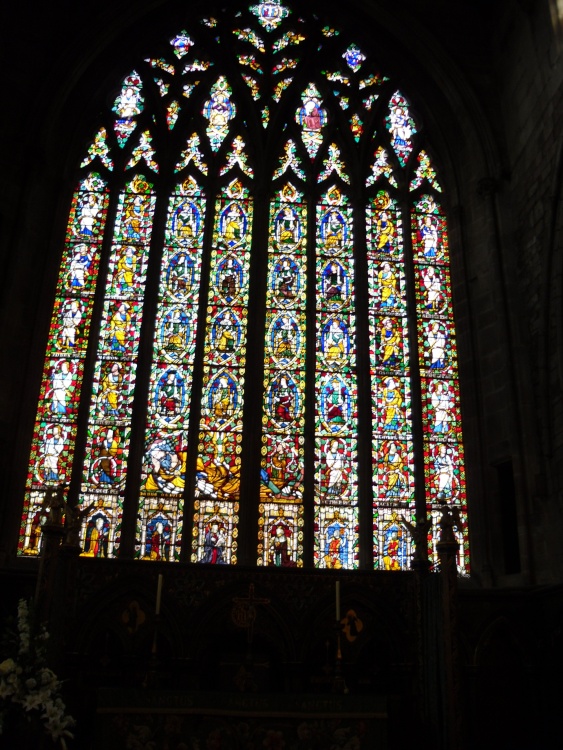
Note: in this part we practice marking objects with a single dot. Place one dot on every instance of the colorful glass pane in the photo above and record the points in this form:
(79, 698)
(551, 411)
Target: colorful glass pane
(172, 112)
(401, 127)
(285, 64)
(197, 66)
(280, 87)
(336, 490)
(251, 62)
(282, 466)
(237, 157)
(441, 417)
(381, 168)
(127, 106)
(372, 80)
(192, 153)
(393, 458)
(161, 64)
(425, 171)
(144, 152)
(357, 127)
(159, 518)
(99, 149)
(219, 110)
(333, 163)
(181, 44)
(290, 160)
(289, 38)
(247, 35)
(162, 86)
(312, 118)
(109, 423)
(253, 86)
(354, 57)
(219, 462)
(270, 13)
(54, 434)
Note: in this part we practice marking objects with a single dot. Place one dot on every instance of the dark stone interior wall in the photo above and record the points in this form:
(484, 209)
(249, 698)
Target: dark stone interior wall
(486, 77)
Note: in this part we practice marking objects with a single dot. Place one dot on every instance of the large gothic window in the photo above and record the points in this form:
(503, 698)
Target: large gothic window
(252, 342)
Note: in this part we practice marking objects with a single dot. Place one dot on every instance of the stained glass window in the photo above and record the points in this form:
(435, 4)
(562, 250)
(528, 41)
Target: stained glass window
(252, 350)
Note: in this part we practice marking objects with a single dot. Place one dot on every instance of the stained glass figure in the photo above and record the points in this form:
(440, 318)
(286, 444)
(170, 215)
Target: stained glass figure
(280, 535)
(381, 168)
(237, 157)
(219, 110)
(270, 13)
(354, 57)
(191, 153)
(144, 152)
(127, 106)
(425, 171)
(54, 434)
(401, 127)
(312, 118)
(99, 149)
(395, 544)
(181, 44)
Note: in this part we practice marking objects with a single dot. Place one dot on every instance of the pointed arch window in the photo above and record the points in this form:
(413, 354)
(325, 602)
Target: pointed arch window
(252, 344)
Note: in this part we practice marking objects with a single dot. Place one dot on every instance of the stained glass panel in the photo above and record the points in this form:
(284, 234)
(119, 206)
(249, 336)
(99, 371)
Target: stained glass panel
(163, 477)
(441, 415)
(393, 458)
(282, 467)
(109, 423)
(336, 490)
(223, 128)
(219, 451)
(54, 434)
(312, 118)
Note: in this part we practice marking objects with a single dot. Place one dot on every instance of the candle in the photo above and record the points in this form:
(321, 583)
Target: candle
(158, 594)
(338, 601)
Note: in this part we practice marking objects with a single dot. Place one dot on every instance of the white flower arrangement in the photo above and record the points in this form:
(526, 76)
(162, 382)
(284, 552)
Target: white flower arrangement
(28, 686)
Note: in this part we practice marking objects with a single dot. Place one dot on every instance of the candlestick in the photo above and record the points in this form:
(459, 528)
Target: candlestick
(338, 601)
(158, 594)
